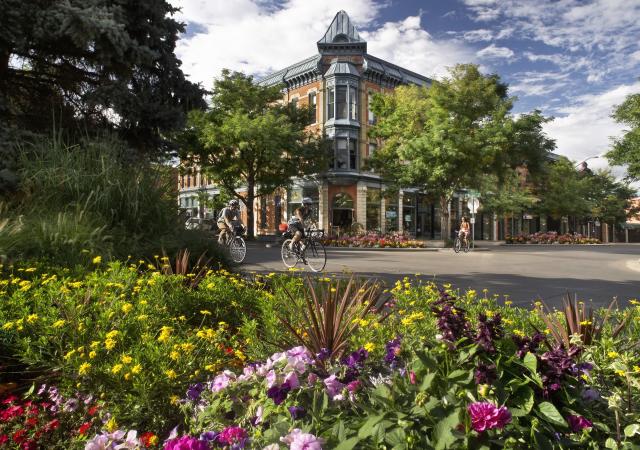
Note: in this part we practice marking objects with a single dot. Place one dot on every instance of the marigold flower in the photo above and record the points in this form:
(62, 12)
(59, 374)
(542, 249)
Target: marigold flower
(97, 259)
(109, 344)
(171, 374)
(92, 354)
(369, 346)
(613, 355)
(136, 369)
(126, 359)
(127, 307)
(58, 323)
(84, 368)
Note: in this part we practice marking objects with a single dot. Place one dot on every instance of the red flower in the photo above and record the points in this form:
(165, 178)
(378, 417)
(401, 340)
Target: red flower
(18, 437)
(54, 424)
(31, 421)
(228, 350)
(29, 445)
(84, 428)
(149, 439)
(9, 399)
(3, 438)
(93, 410)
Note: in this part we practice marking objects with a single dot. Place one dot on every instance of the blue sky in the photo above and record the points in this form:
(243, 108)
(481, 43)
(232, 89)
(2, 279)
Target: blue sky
(572, 59)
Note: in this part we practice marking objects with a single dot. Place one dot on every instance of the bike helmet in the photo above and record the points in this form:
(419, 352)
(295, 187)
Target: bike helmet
(307, 201)
(233, 203)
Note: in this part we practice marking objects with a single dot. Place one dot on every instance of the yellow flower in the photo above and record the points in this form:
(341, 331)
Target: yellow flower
(127, 376)
(126, 359)
(69, 355)
(113, 333)
(84, 368)
(622, 373)
(97, 259)
(636, 369)
(174, 399)
(111, 425)
(109, 344)
(205, 312)
(174, 355)
(127, 307)
(136, 369)
(211, 367)
(585, 323)
(240, 355)
(32, 318)
(59, 323)
(92, 354)
(7, 326)
(30, 269)
(171, 374)
(369, 346)
(518, 333)
(95, 344)
(187, 347)
(165, 333)
(613, 355)
(142, 317)
(508, 303)
(116, 369)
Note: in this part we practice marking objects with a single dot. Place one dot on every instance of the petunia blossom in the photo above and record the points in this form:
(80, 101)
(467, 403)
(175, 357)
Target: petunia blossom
(486, 416)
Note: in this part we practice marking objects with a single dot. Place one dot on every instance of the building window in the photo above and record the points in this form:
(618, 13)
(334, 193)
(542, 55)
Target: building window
(342, 107)
(373, 209)
(330, 102)
(345, 155)
(312, 107)
(371, 117)
(263, 212)
(294, 103)
(372, 148)
(353, 103)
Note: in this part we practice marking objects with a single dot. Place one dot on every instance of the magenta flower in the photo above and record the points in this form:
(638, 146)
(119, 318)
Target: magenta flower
(186, 443)
(486, 416)
(236, 436)
(297, 440)
(333, 386)
(578, 423)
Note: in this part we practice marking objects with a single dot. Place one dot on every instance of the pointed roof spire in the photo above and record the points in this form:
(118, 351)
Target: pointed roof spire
(341, 34)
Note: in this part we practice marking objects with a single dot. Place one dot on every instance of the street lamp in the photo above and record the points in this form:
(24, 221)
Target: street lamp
(584, 161)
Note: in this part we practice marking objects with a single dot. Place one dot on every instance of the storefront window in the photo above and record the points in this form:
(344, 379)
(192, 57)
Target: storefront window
(409, 213)
(391, 213)
(342, 212)
(373, 209)
(295, 200)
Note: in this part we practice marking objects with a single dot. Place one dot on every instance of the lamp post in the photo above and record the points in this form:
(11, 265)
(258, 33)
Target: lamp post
(584, 161)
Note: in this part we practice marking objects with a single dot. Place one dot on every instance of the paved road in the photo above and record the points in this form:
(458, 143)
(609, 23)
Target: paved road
(595, 273)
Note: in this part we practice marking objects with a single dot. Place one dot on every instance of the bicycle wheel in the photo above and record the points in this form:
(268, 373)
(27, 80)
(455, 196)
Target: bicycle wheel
(289, 258)
(237, 249)
(466, 245)
(315, 256)
(456, 245)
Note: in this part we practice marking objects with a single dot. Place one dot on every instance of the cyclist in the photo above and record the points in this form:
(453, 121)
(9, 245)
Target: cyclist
(228, 215)
(297, 222)
(465, 229)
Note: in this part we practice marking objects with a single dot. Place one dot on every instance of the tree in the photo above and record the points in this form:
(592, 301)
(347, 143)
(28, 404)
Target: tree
(610, 199)
(626, 150)
(563, 191)
(453, 134)
(248, 142)
(507, 198)
(94, 64)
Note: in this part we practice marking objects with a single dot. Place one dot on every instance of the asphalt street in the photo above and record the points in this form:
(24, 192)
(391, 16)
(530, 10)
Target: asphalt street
(525, 273)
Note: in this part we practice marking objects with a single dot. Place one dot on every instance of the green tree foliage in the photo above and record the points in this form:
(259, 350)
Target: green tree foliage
(250, 144)
(511, 197)
(562, 192)
(93, 64)
(453, 134)
(626, 150)
(610, 199)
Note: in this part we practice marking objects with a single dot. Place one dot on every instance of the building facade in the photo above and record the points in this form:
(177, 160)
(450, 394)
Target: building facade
(338, 84)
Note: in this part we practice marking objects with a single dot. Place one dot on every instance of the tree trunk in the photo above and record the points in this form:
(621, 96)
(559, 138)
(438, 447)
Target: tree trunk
(445, 228)
(250, 199)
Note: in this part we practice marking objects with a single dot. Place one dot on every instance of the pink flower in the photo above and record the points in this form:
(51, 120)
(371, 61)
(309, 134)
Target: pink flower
(578, 423)
(222, 381)
(312, 378)
(233, 435)
(412, 377)
(292, 379)
(486, 416)
(297, 440)
(333, 386)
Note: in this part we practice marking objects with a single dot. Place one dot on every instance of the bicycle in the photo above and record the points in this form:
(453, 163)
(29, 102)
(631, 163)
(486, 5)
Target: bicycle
(461, 244)
(235, 244)
(312, 254)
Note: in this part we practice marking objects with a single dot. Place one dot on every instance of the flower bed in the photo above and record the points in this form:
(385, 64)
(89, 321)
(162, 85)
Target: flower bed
(434, 368)
(373, 240)
(550, 237)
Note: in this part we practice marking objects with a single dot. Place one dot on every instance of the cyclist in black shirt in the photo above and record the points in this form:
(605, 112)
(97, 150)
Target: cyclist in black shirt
(297, 222)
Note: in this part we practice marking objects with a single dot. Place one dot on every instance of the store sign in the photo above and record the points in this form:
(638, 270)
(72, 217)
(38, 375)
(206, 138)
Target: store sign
(473, 204)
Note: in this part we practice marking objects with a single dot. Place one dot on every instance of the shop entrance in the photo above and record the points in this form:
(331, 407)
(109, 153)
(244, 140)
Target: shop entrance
(342, 212)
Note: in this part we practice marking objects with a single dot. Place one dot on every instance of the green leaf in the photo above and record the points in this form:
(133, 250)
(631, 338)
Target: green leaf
(551, 414)
(369, 426)
(632, 430)
(531, 362)
(396, 438)
(348, 444)
(443, 432)
(460, 375)
(611, 443)
(523, 399)
(427, 381)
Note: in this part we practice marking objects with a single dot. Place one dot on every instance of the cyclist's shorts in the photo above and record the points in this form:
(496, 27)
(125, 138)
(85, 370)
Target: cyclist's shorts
(296, 226)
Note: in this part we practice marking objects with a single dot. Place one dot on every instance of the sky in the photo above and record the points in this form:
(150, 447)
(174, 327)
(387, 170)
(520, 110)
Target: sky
(572, 59)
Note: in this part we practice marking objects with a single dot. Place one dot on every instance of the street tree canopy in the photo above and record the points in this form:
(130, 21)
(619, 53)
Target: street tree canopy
(249, 143)
(87, 65)
(626, 150)
(453, 134)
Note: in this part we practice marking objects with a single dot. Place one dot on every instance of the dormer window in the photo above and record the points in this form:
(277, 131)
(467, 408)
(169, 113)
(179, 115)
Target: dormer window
(341, 38)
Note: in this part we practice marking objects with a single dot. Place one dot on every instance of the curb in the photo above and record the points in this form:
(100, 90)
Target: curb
(555, 245)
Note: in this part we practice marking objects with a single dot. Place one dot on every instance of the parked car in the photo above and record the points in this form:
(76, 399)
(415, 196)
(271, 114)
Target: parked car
(197, 223)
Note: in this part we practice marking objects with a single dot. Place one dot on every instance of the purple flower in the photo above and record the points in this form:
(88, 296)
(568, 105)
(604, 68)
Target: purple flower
(489, 330)
(452, 321)
(393, 350)
(222, 381)
(578, 423)
(485, 373)
(209, 436)
(590, 395)
(583, 368)
(526, 344)
(234, 436)
(194, 391)
(333, 386)
(186, 443)
(292, 380)
(324, 354)
(486, 416)
(297, 440)
(555, 366)
(278, 393)
(297, 412)
(354, 386)
(356, 359)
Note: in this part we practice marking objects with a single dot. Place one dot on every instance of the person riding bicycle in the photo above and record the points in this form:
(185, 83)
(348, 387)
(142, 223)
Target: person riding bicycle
(297, 222)
(465, 229)
(226, 219)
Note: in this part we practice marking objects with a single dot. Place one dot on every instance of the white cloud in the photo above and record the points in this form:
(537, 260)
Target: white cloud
(255, 37)
(586, 126)
(493, 52)
(478, 35)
